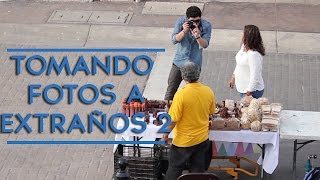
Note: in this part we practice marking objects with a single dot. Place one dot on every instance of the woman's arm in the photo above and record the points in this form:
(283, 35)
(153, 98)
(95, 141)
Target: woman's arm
(232, 81)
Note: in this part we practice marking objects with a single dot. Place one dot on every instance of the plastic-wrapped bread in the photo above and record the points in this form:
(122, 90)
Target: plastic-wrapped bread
(271, 117)
(246, 100)
(265, 129)
(267, 116)
(218, 123)
(256, 126)
(276, 118)
(266, 109)
(269, 128)
(275, 129)
(263, 101)
(275, 108)
(233, 123)
(270, 122)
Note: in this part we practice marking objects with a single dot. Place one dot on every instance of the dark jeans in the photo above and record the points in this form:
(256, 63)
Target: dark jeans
(256, 94)
(174, 81)
(195, 155)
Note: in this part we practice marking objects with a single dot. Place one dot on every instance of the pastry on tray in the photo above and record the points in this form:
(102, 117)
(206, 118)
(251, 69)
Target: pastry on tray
(256, 126)
(254, 104)
(263, 101)
(246, 100)
(245, 123)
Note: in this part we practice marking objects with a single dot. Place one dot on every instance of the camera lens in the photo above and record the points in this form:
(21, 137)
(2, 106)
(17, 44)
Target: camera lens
(191, 26)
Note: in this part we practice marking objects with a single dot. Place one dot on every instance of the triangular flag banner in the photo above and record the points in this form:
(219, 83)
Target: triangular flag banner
(231, 149)
(239, 151)
(256, 149)
(218, 144)
(222, 150)
(249, 149)
(245, 145)
(214, 149)
(226, 144)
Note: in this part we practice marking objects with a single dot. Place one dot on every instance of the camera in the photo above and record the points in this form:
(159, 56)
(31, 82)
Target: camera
(190, 23)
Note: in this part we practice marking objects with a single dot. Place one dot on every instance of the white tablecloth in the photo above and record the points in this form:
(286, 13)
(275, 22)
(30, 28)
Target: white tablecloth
(303, 125)
(270, 139)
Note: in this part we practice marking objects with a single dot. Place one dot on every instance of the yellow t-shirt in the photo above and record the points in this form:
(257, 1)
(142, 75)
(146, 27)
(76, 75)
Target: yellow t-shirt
(190, 111)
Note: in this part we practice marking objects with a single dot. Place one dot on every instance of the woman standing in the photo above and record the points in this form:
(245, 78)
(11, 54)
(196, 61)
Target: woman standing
(247, 76)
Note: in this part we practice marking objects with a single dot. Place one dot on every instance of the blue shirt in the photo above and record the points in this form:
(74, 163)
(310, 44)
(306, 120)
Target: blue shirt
(188, 48)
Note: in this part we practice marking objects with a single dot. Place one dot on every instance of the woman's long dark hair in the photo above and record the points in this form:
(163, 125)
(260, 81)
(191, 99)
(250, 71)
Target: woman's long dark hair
(252, 39)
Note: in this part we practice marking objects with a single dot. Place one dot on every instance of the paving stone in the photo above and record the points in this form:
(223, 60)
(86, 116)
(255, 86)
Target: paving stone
(289, 79)
(284, 75)
(168, 8)
(90, 17)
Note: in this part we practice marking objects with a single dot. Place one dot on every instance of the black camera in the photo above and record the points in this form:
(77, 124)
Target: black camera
(190, 23)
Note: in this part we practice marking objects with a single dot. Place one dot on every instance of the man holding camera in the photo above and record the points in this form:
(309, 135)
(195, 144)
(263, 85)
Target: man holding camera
(191, 34)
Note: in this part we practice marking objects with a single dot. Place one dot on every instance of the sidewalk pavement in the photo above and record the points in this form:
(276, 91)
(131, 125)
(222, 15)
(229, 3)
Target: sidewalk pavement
(291, 74)
(287, 17)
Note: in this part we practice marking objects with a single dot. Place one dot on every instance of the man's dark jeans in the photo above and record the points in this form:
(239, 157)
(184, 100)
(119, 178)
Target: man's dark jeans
(174, 81)
(196, 156)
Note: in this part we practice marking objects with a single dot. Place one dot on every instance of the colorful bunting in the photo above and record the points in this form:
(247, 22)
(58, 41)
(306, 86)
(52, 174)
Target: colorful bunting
(249, 149)
(231, 149)
(256, 149)
(240, 150)
(222, 150)
(214, 149)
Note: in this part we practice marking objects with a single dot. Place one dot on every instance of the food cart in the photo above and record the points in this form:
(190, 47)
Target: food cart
(232, 125)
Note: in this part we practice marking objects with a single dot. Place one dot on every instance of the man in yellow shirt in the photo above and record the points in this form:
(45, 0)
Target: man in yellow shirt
(189, 112)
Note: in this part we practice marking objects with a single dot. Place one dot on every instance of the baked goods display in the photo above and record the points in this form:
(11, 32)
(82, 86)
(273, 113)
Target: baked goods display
(271, 117)
(151, 109)
(249, 113)
(226, 116)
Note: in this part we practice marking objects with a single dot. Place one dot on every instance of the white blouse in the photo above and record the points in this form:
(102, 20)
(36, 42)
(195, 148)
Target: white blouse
(248, 71)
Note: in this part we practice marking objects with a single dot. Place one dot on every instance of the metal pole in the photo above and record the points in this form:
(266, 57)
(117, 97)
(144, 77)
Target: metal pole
(263, 152)
(294, 157)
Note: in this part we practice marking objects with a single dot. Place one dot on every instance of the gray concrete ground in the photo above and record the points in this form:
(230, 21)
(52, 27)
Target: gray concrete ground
(291, 71)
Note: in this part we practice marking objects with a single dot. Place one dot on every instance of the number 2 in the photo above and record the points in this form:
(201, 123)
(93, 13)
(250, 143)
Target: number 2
(163, 128)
